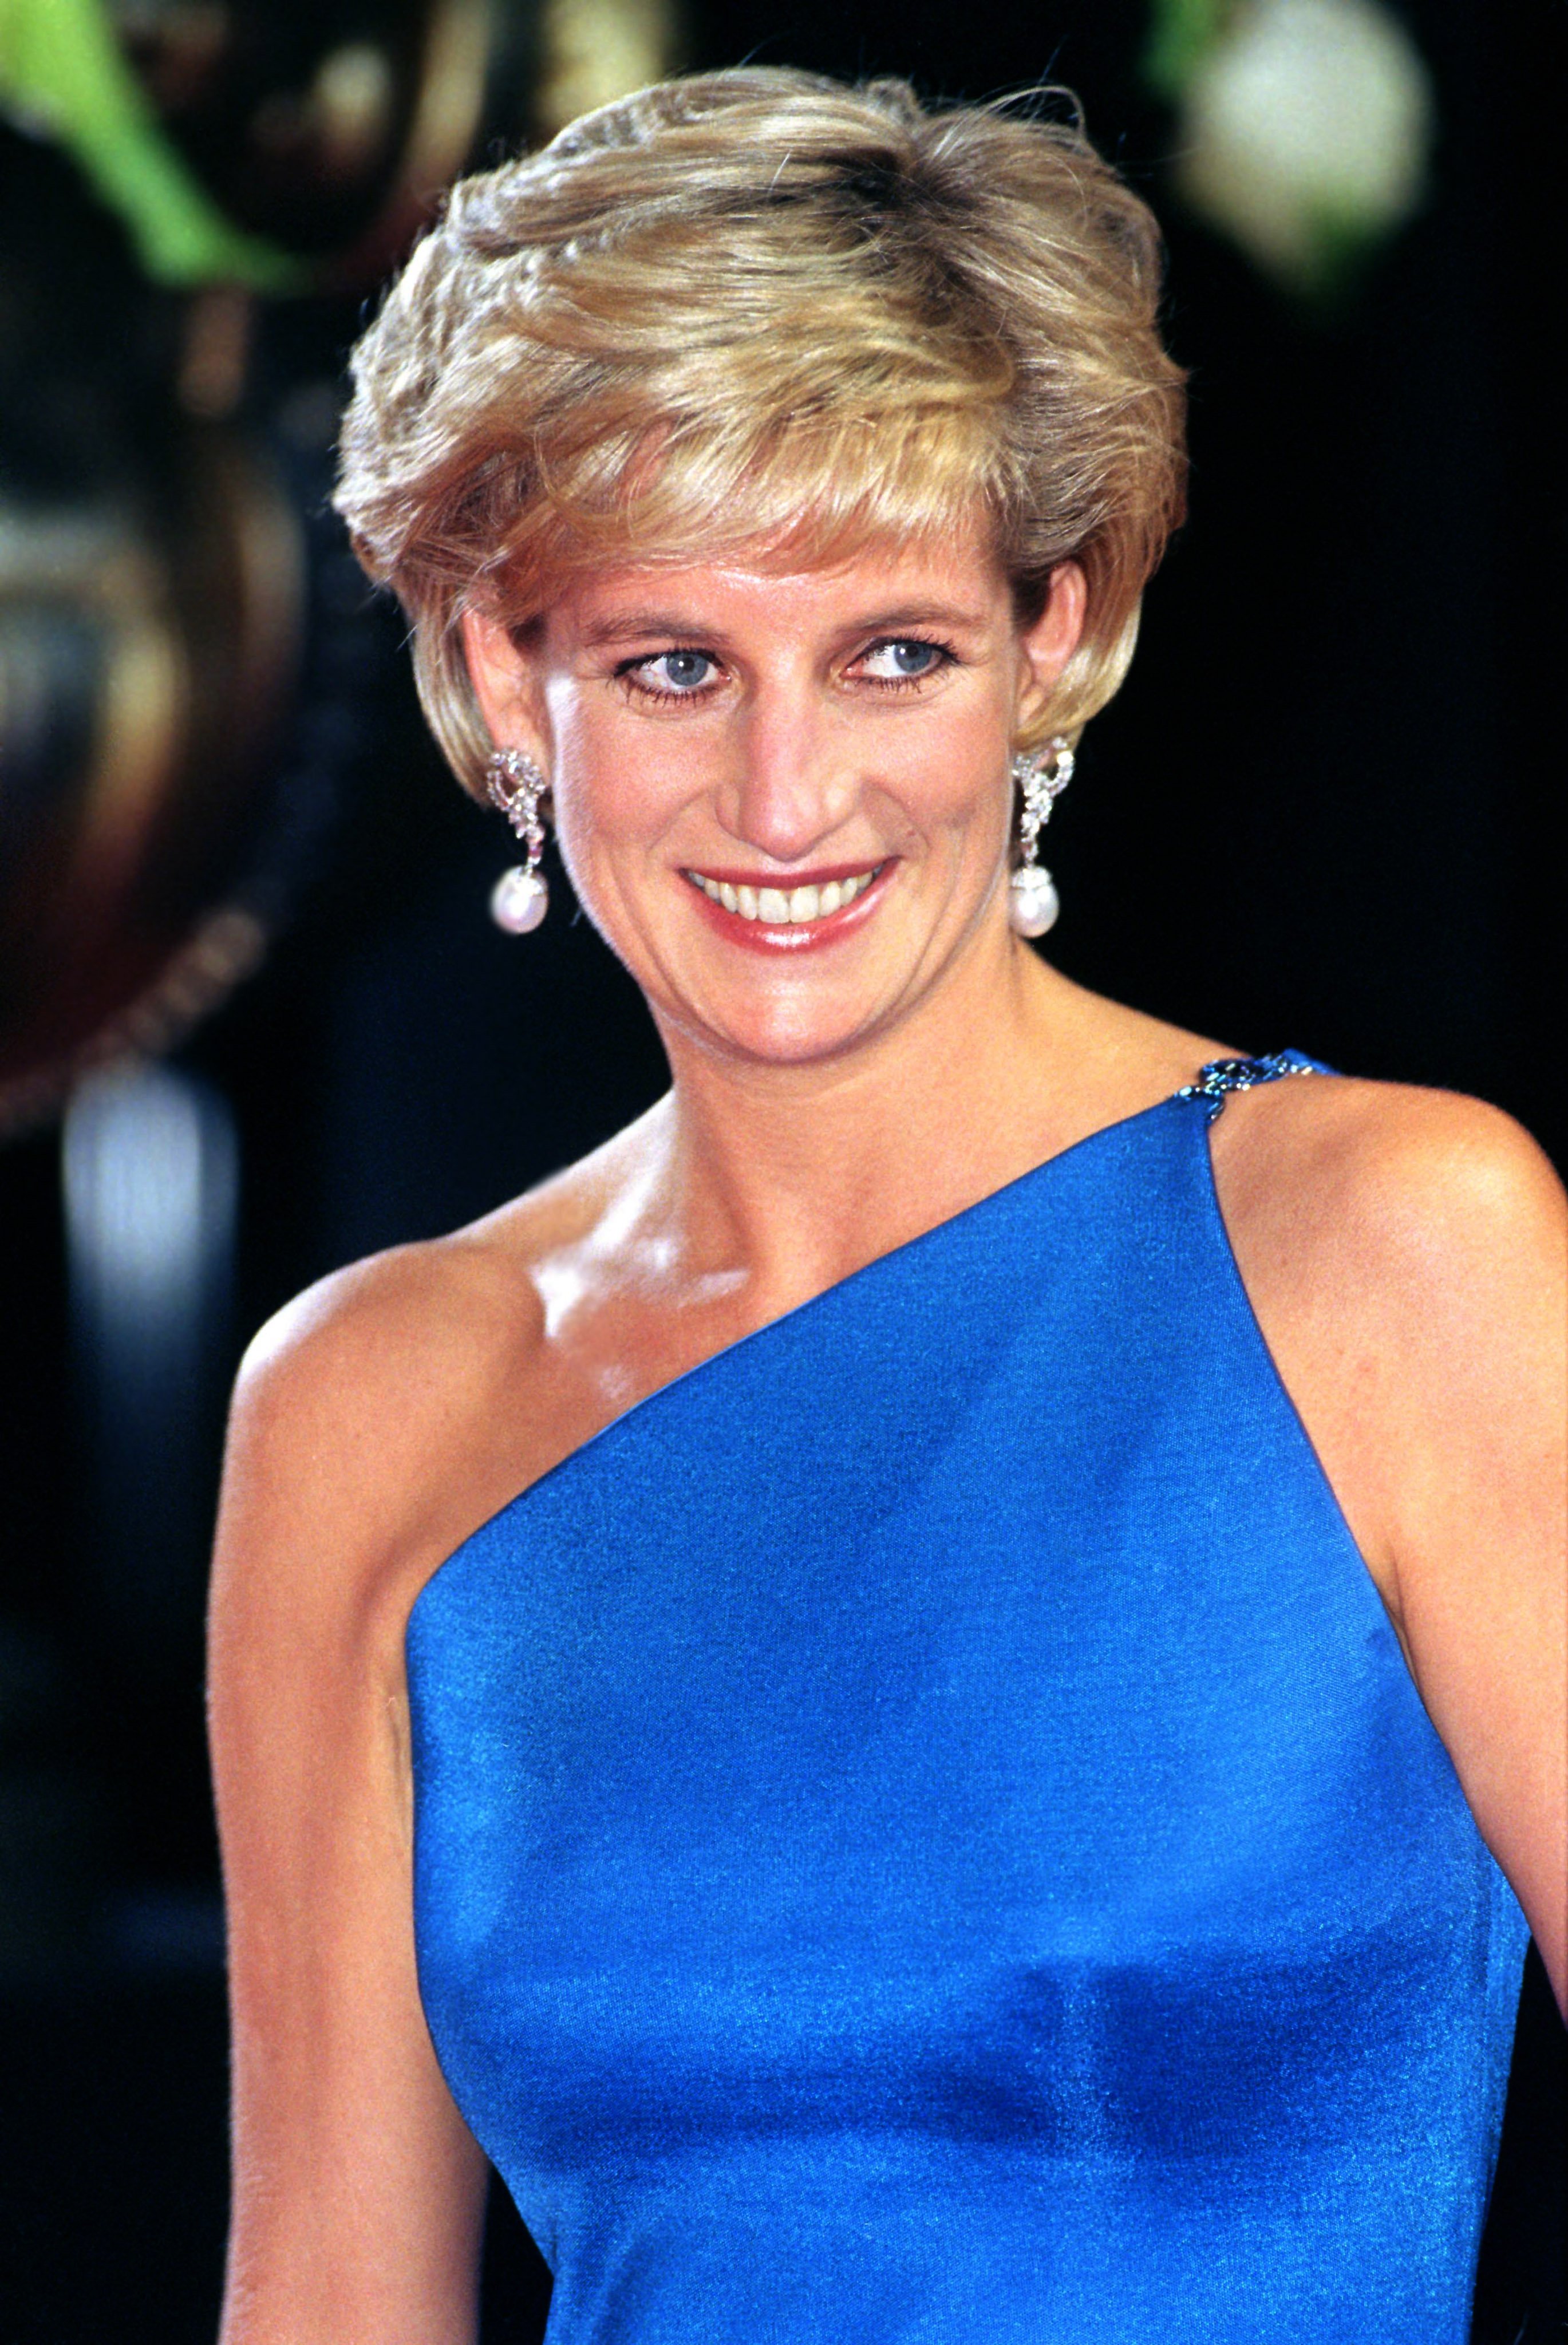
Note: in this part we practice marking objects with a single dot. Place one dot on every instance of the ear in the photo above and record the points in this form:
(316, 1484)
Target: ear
(505, 684)
(1045, 648)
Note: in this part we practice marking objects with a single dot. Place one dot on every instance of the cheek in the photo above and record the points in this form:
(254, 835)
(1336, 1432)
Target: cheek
(956, 781)
(614, 805)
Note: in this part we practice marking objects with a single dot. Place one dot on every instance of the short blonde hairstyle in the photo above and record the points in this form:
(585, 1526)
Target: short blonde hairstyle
(760, 309)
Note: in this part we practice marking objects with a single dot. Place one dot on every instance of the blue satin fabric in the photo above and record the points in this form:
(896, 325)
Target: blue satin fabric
(924, 1830)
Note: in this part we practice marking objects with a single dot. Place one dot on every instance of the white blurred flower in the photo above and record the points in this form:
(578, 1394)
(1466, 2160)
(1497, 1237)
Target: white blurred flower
(1305, 133)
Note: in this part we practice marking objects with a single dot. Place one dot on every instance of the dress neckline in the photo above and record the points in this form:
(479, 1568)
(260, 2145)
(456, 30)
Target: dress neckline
(1205, 1093)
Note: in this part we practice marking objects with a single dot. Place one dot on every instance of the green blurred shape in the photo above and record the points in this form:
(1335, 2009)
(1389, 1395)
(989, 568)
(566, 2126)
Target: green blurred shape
(1181, 34)
(62, 71)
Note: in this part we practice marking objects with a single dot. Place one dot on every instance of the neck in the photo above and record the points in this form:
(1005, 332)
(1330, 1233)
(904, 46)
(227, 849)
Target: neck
(795, 1175)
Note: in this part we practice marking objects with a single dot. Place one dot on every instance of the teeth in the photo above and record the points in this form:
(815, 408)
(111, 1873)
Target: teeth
(779, 909)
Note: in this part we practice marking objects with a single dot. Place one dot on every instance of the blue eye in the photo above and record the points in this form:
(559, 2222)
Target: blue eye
(678, 671)
(901, 659)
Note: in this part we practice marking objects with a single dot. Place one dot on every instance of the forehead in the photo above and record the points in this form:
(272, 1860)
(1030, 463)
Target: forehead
(956, 579)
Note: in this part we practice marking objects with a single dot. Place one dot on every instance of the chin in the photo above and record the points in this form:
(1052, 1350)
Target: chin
(784, 1039)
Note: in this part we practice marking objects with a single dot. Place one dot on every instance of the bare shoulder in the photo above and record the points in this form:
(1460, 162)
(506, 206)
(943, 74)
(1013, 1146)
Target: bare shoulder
(1387, 1195)
(384, 1414)
(1404, 1251)
(390, 1342)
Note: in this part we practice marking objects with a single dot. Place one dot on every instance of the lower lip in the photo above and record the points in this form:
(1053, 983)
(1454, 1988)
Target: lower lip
(805, 936)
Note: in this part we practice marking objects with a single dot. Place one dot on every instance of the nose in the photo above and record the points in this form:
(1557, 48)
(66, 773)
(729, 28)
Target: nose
(791, 784)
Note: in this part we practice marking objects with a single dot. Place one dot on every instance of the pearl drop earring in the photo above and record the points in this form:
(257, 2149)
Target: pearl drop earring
(520, 897)
(1042, 774)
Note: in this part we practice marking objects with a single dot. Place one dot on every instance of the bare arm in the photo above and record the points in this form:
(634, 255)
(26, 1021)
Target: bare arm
(1407, 1253)
(359, 2191)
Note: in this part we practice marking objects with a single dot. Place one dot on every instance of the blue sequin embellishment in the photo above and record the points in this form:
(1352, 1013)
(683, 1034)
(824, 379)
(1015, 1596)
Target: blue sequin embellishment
(1222, 1076)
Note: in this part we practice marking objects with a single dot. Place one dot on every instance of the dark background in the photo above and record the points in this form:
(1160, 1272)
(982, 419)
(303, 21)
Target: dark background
(1318, 814)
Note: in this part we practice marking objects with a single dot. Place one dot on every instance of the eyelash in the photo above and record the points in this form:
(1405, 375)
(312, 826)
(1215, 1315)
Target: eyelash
(629, 673)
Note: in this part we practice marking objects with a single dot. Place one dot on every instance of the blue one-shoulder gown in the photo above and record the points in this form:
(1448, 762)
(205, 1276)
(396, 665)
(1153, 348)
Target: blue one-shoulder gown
(924, 1830)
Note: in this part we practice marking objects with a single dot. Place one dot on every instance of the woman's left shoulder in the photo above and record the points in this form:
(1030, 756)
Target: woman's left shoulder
(1391, 1194)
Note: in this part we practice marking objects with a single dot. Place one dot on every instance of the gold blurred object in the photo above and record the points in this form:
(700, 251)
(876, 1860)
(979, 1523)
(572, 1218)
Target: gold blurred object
(144, 659)
(594, 51)
(449, 102)
(90, 570)
(216, 351)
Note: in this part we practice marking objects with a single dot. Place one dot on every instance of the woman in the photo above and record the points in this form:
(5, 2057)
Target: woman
(974, 1794)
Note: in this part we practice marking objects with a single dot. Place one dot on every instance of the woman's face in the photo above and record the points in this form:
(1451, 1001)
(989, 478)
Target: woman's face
(783, 797)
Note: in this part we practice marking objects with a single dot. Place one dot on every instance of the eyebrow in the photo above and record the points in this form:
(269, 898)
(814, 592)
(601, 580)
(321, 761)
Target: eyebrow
(618, 626)
(623, 626)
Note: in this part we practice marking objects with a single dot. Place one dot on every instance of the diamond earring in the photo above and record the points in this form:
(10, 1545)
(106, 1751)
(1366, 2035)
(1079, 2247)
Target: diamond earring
(1042, 774)
(520, 897)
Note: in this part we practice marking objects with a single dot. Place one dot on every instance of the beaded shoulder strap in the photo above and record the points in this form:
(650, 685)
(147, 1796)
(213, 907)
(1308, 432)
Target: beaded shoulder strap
(1217, 1080)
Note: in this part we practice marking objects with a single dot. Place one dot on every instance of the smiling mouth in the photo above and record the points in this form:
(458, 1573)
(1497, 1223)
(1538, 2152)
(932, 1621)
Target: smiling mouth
(786, 907)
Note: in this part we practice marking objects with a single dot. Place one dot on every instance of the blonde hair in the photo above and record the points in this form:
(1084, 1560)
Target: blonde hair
(759, 308)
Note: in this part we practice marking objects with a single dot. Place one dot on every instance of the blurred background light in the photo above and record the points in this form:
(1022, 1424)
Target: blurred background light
(151, 1187)
(151, 1179)
(1304, 134)
(594, 50)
